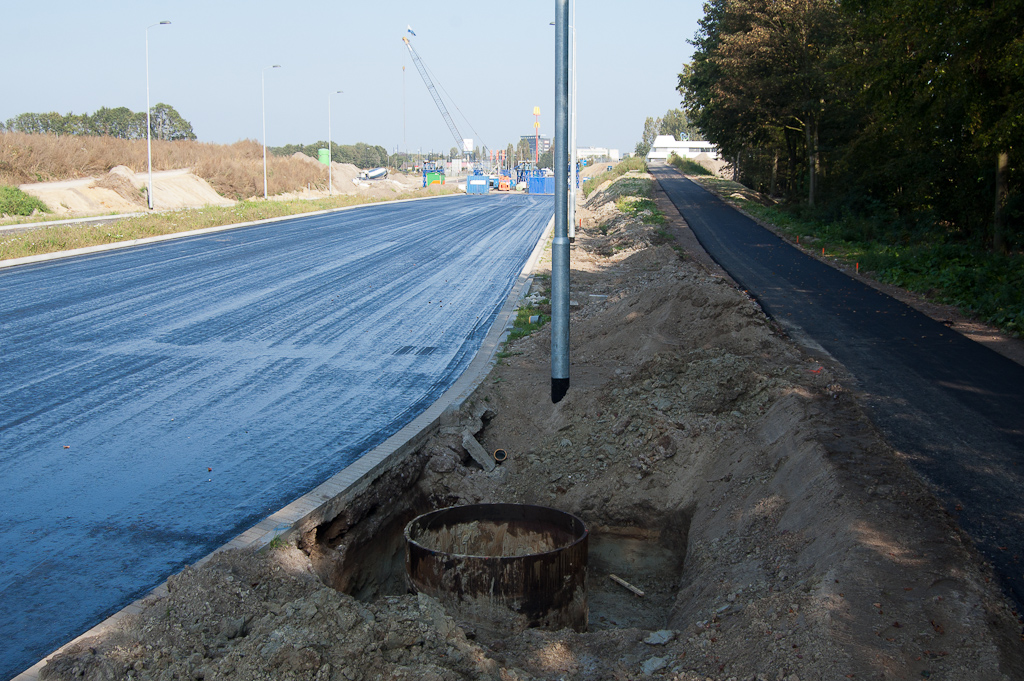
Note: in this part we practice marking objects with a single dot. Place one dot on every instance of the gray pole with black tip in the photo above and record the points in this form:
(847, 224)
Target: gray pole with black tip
(560, 243)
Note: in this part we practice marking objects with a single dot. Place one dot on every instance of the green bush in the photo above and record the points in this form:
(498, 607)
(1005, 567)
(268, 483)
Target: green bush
(640, 206)
(632, 163)
(989, 286)
(13, 201)
(522, 325)
(687, 166)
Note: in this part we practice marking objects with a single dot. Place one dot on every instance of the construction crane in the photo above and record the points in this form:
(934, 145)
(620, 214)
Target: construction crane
(433, 93)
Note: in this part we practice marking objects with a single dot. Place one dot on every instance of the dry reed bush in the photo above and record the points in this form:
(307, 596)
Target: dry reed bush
(237, 172)
(120, 183)
(234, 170)
(46, 158)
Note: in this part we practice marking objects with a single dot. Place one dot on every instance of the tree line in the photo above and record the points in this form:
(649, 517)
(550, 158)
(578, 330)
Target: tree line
(907, 111)
(360, 154)
(121, 122)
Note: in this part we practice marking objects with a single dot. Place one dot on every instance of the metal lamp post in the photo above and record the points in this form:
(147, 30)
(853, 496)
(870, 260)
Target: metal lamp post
(560, 242)
(263, 82)
(571, 221)
(149, 141)
(572, 129)
(330, 144)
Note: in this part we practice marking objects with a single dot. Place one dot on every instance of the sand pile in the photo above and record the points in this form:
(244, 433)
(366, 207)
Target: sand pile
(121, 180)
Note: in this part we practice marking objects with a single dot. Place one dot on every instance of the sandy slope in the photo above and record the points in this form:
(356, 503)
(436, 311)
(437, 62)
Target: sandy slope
(120, 192)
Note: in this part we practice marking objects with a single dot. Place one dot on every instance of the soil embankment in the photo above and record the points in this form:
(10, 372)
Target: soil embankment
(123, 191)
(723, 471)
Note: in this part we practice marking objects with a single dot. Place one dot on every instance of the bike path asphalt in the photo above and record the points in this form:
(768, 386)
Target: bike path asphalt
(952, 407)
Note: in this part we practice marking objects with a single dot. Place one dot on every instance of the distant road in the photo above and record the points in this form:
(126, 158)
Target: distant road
(159, 400)
(954, 408)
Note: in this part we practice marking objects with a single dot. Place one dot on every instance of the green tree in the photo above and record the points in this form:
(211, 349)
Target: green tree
(167, 124)
(676, 124)
(945, 110)
(762, 78)
(547, 159)
(651, 128)
(119, 122)
(523, 152)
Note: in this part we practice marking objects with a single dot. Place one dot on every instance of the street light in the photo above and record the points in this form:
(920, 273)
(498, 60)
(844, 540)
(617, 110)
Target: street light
(571, 229)
(263, 82)
(571, 222)
(560, 242)
(149, 141)
(330, 145)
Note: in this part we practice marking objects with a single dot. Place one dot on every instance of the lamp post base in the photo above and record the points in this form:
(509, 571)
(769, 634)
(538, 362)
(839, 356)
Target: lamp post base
(559, 387)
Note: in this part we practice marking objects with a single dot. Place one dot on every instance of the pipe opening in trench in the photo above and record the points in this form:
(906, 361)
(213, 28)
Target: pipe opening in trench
(502, 567)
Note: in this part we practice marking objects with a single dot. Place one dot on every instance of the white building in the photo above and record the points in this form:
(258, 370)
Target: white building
(597, 152)
(666, 144)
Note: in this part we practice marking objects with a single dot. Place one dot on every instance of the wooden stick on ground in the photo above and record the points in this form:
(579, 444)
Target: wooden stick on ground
(620, 581)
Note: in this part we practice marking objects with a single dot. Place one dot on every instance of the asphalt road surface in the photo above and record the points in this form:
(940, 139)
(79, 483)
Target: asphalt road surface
(157, 401)
(953, 407)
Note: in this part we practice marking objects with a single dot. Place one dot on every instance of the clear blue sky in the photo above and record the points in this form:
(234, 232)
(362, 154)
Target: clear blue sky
(494, 59)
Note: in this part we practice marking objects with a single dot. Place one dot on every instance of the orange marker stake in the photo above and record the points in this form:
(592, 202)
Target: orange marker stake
(823, 250)
(858, 268)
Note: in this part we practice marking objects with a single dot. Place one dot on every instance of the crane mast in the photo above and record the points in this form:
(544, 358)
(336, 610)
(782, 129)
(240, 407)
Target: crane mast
(433, 93)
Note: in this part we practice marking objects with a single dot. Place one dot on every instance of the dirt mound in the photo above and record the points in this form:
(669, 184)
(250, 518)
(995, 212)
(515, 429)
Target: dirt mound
(299, 156)
(723, 472)
(344, 176)
(273, 614)
(719, 167)
(121, 180)
(84, 197)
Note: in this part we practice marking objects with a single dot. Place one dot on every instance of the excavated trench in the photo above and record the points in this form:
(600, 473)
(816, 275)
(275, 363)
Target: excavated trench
(362, 552)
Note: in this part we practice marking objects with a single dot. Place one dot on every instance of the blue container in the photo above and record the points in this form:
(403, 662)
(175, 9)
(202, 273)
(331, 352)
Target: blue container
(541, 185)
(478, 184)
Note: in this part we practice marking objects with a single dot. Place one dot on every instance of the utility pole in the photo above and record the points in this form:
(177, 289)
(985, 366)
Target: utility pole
(405, 142)
(560, 243)
(149, 126)
(572, 140)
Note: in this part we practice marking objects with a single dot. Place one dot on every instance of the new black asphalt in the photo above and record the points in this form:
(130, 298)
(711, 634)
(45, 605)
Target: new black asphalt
(157, 401)
(952, 407)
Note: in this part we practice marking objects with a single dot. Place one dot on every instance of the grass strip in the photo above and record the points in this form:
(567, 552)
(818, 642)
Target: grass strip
(983, 285)
(57, 238)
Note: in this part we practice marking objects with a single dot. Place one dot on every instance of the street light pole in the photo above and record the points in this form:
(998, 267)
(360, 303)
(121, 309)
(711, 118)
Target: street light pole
(149, 141)
(572, 126)
(263, 79)
(330, 145)
(560, 242)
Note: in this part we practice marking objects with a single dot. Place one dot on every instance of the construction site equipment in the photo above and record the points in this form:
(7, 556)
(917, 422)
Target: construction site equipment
(540, 183)
(433, 173)
(523, 171)
(433, 93)
(477, 184)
